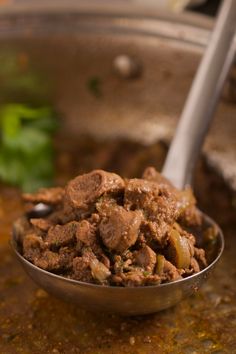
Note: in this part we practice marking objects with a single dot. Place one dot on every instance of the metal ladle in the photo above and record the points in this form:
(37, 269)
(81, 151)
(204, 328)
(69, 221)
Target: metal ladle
(178, 168)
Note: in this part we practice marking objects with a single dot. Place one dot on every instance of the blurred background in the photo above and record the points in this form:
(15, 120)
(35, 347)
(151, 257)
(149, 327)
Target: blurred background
(110, 69)
(101, 84)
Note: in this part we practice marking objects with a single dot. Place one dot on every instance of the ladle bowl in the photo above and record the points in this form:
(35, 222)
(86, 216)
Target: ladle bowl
(126, 300)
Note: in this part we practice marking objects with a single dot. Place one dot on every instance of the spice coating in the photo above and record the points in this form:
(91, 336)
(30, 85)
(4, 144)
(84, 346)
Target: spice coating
(112, 231)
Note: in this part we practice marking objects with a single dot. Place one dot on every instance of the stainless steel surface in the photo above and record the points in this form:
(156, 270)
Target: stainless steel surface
(127, 300)
(144, 31)
(202, 99)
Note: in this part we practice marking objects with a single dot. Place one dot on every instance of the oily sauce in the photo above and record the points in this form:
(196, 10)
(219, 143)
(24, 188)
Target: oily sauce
(32, 321)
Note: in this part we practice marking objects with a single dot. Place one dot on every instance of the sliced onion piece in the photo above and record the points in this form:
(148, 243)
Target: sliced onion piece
(160, 264)
(178, 250)
(99, 270)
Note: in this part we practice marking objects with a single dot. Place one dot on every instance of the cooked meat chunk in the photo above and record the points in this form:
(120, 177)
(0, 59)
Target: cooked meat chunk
(94, 219)
(151, 174)
(41, 224)
(81, 270)
(48, 260)
(85, 233)
(84, 190)
(194, 265)
(46, 196)
(66, 256)
(162, 209)
(138, 193)
(183, 202)
(158, 203)
(32, 246)
(104, 205)
(191, 216)
(119, 229)
(155, 233)
(63, 215)
(139, 277)
(170, 272)
(200, 256)
(61, 235)
(146, 258)
(105, 230)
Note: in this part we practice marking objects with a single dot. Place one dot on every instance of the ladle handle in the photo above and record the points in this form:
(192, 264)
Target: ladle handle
(202, 98)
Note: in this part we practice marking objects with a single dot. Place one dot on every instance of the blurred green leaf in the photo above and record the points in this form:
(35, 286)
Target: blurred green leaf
(26, 152)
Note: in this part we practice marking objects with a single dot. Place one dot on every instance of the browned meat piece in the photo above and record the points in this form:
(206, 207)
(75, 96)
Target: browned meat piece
(81, 270)
(66, 256)
(194, 265)
(41, 224)
(155, 232)
(86, 189)
(200, 256)
(139, 192)
(146, 258)
(191, 243)
(48, 260)
(102, 229)
(151, 174)
(170, 272)
(176, 203)
(162, 209)
(194, 268)
(33, 245)
(46, 196)
(191, 216)
(61, 235)
(141, 240)
(94, 219)
(119, 230)
(157, 201)
(139, 277)
(63, 215)
(104, 205)
(86, 234)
